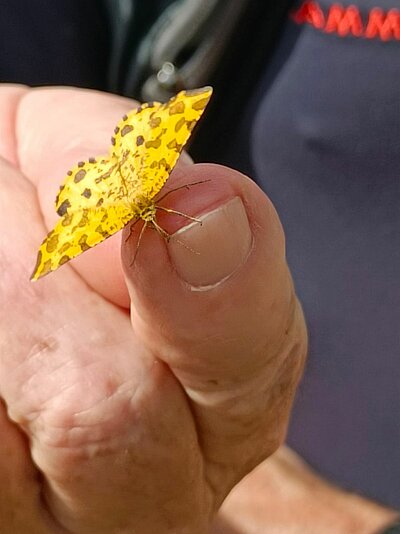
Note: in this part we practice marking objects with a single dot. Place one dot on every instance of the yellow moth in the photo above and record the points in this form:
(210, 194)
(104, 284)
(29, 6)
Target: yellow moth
(100, 196)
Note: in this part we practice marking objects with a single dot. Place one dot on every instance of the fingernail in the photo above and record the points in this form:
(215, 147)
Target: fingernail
(206, 254)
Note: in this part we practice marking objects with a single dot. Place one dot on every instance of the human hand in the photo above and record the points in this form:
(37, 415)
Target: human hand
(283, 495)
(137, 421)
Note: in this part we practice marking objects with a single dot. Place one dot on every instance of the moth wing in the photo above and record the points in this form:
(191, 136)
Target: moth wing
(91, 184)
(76, 232)
(149, 140)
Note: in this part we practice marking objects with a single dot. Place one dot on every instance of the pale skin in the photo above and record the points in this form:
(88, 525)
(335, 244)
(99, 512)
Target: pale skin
(285, 496)
(132, 403)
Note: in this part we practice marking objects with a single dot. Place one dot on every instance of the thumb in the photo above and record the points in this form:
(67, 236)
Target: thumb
(216, 303)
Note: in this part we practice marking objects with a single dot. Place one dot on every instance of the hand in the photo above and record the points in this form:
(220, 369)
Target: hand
(140, 421)
(283, 495)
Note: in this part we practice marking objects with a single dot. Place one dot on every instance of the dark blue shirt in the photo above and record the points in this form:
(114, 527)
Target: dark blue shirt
(325, 145)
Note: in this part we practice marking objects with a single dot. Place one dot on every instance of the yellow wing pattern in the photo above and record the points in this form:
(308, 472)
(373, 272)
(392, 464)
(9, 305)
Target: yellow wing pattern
(91, 184)
(101, 195)
(75, 233)
(149, 140)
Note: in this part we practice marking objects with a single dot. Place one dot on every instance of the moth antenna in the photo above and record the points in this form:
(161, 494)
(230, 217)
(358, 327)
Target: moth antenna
(185, 186)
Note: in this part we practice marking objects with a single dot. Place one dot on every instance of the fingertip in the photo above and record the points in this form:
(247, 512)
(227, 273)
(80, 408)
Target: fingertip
(240, 261)
(229, 211)
(204, 193)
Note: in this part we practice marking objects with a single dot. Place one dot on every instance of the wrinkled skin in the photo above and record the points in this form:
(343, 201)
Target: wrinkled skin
(131, 402)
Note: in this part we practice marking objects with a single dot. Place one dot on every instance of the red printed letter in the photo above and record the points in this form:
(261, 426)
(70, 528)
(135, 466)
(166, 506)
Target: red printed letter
(310, 13)
(344, 21)
(384, 26)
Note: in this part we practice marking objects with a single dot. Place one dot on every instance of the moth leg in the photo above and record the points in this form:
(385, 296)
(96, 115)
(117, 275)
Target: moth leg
(131, 230)
(167, 236)
(169, 210)
(139, 240)
(161, 231)
(184, 245)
